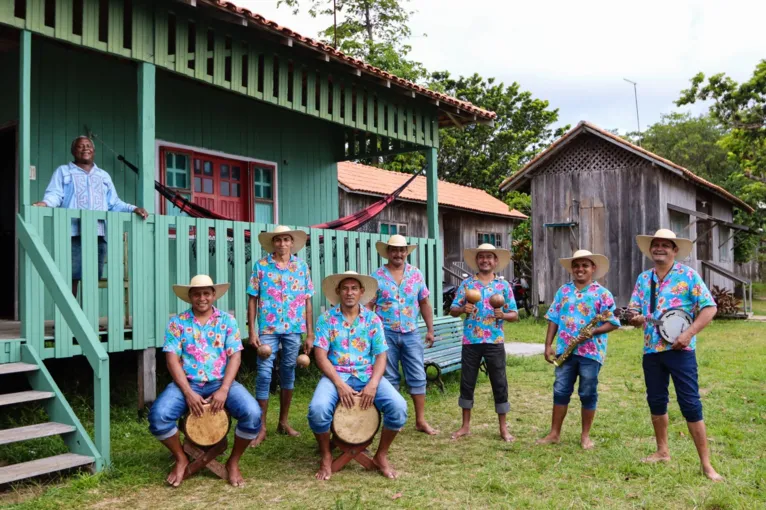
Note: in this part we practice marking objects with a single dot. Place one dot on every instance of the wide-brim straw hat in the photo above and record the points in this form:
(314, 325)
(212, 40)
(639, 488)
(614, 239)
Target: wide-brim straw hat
(601, 262)
(201, 280)
(267, 238)
(684, 245)
(395, 240)
(503, 256)
(330, 283)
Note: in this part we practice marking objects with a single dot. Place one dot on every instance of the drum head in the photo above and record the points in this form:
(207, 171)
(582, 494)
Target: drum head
(674, 322)
(208, 429)
(355, 426)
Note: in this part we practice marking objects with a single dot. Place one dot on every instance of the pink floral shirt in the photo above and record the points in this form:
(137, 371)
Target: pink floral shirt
(398, 306)
(282, 292)
(481, 327)
(204, 349)
(572, 309)
(682, 288)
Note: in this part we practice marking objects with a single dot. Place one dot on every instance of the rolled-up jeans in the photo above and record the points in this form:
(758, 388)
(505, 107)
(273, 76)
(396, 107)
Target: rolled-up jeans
(289, 344)
(494, 357)
(407, 348)
(388, 401)
(171, 405)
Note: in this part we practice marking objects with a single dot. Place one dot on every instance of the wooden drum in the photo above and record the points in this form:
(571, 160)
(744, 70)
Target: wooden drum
(355, 426)
(208, 429)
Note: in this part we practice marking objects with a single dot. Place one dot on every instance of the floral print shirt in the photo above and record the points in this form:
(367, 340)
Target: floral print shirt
(572, 309)
(398, 305)
(282, 291)
(204, 349)
(481, 327)
(681, 288)
(351, 348)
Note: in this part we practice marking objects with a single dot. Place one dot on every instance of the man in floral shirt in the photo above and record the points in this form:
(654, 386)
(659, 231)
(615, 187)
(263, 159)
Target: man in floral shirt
(483, 332)
(402, 293)
(351, 353)
(202, 350)
(278, 312)
(672, 285)
(575, 305)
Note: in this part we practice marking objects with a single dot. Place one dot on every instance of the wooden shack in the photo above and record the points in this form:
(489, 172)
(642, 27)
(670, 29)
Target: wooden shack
(593, 190)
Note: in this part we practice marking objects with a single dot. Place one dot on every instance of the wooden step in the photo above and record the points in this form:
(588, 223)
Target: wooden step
(34, 432)
(12, 368)
(24, 396)
(39, 467)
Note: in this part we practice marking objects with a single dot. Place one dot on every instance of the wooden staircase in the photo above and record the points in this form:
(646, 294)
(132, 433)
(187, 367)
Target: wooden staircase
(63, 422)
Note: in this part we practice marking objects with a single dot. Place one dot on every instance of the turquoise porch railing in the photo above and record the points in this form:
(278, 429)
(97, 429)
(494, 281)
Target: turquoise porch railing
(129, 309)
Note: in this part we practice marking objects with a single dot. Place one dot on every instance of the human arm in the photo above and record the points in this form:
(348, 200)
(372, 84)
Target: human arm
(702, 320)
(218, 399)
(638, 319)
(252, 321)
(345, 392)
(428, 317)
(193, 400)
(459, 304)
(115, 204)
(371, 388)
(54, 193)
(550, 335)
(309, 343)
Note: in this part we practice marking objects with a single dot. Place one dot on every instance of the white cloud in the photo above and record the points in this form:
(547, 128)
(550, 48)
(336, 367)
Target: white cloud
(576, 54)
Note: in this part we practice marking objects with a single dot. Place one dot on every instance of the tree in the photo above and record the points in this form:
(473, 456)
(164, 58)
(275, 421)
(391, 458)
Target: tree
(521, 250)
(370, 30)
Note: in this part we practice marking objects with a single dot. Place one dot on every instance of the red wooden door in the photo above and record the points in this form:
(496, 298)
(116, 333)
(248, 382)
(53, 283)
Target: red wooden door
(218, 186)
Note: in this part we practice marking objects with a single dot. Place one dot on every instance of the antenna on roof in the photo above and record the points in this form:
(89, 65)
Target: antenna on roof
(335, 22)
(635, 94)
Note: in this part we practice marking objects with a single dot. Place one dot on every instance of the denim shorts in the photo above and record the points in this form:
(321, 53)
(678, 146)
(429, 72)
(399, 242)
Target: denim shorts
(587, 370)
(77, 257)
(659, 367)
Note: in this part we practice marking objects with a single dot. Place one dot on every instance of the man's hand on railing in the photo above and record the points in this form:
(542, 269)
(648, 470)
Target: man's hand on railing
(40, 204)
(140, 211)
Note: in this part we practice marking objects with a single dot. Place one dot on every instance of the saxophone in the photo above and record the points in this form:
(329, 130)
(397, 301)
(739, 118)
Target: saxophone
(586, 333)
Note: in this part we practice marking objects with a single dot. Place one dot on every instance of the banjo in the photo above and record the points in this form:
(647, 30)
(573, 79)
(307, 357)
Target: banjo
(671, 323)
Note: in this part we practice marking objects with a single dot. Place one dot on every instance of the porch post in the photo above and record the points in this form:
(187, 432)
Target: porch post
(147, 361)
(432, 212)
(25, 117)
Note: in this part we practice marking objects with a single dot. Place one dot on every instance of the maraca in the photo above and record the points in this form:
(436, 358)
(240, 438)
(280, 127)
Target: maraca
(497, 302)
(303, 360)
(473, 296)
(264, 351)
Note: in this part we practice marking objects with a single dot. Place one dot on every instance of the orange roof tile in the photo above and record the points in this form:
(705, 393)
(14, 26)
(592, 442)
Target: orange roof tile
(359, 64)
(514, 180)
(376, 181)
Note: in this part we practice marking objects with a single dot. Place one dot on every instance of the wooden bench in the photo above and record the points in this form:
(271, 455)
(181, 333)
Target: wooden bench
(445, 356)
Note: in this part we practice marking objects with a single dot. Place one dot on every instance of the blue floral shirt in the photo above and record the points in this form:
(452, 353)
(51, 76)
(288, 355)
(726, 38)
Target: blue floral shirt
(481, 327)
(398, 305)
(351, 348)
(204, 349)
(572, 309)
(282, 292)
(71, 187)
(681, 288)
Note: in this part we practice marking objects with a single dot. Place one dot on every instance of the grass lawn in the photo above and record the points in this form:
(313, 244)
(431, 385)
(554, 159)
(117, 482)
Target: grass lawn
(759, 298)
(478, 471)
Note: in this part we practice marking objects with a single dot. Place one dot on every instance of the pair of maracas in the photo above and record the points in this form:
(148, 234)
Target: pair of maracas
(264, 351)
(496, 301)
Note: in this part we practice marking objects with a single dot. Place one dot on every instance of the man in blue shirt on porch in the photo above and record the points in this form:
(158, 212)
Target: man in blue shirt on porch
(81, 184)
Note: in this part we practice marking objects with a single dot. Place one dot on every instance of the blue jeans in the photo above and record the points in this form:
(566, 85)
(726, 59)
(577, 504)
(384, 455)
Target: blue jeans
(659, 367)
(171, 405)
(77, 257)
(290, 345)
(587, 369)
(407, 348)
(325, 399)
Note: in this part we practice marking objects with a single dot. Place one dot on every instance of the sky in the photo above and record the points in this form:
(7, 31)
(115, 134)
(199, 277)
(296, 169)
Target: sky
(577, 54)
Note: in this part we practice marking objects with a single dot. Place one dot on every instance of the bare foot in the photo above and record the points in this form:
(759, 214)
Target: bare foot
(462, 431)
(426, 428)
(506, 436)
(235, 476)
(587, 443)
(260, 438)
(176, 475)
(286, 429)
(381, 461)
(656, 457)
(712, 474)
(551, 438)
(325, 468)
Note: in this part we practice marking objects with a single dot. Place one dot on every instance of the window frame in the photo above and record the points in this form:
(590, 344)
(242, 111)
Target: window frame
(498, 235)
(396, 224)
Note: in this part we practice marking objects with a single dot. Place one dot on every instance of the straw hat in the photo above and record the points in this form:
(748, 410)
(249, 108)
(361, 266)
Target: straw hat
(299, 238)
(330, 283)
(394, 240)
(201, 280)
(601, 262)
(684, 245)
(503, 256)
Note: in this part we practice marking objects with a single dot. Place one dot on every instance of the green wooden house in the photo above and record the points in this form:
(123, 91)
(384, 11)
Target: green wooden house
(232, 111)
